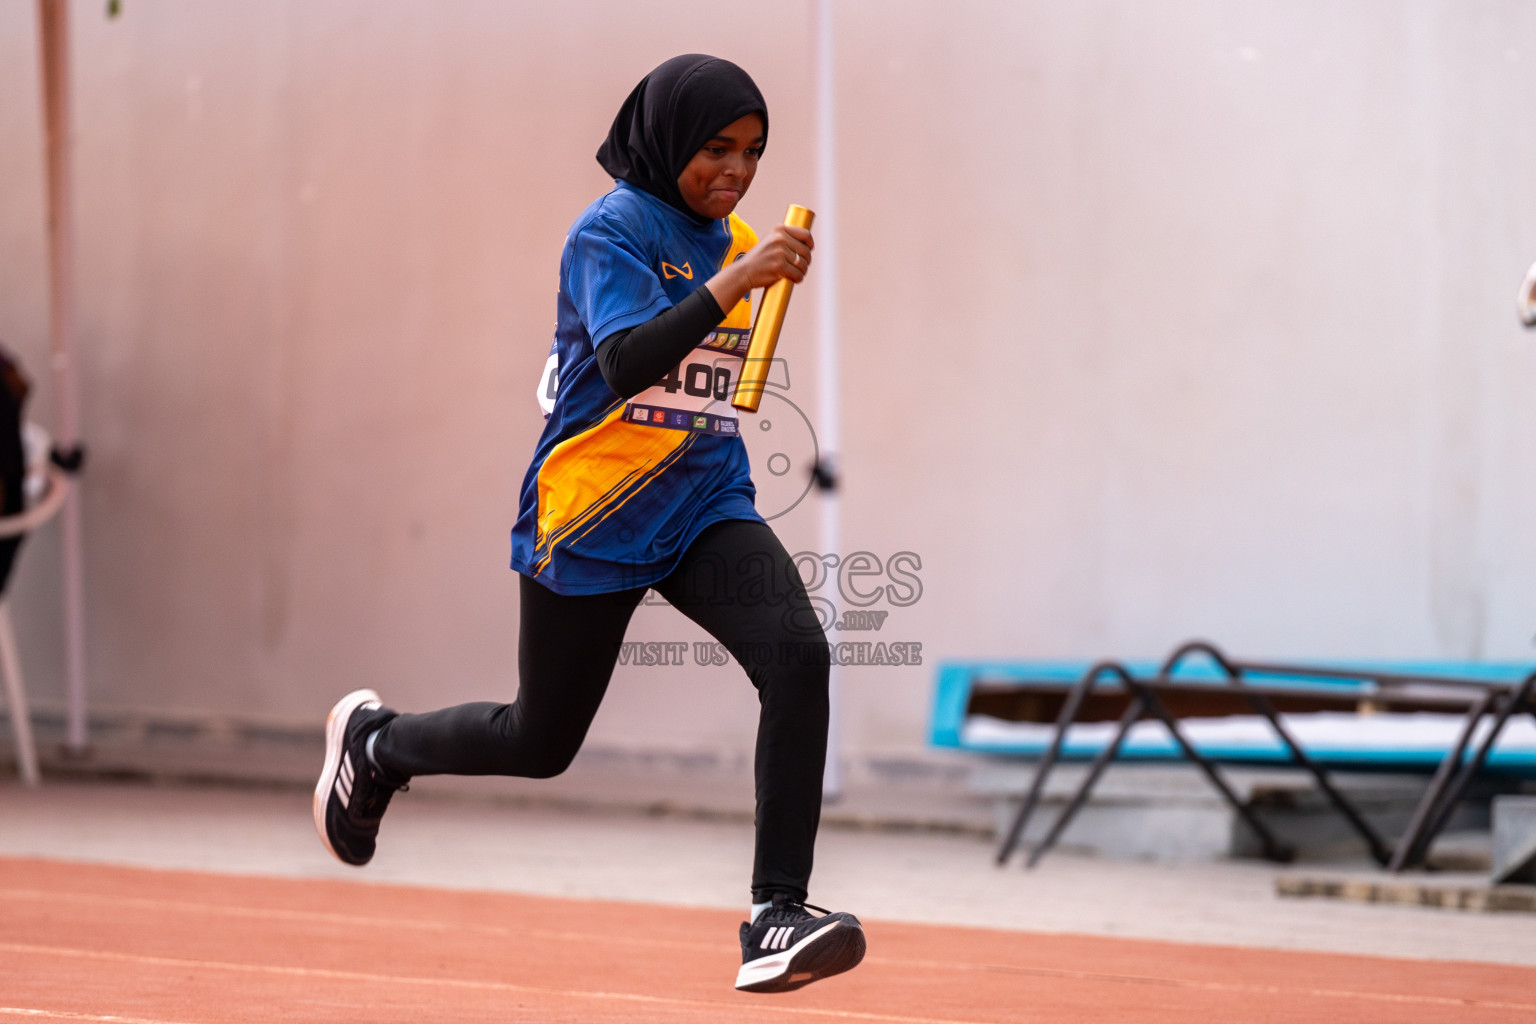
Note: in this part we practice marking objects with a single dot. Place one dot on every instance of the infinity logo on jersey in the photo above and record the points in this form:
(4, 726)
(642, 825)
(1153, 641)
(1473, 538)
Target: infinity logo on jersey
(669, 271)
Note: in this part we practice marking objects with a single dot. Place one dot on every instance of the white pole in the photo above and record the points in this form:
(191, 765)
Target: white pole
(53, 27)
(827, 426)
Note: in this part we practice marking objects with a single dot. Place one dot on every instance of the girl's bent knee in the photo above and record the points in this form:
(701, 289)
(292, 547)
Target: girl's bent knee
(546, 764)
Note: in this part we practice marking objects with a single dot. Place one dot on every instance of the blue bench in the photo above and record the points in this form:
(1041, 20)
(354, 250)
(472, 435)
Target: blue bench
(955, 725)
(1450, 720)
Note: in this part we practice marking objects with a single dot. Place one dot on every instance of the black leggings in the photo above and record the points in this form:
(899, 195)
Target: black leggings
(735, 580)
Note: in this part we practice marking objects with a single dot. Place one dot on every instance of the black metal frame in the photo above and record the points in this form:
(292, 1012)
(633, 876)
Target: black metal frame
(1446, 787)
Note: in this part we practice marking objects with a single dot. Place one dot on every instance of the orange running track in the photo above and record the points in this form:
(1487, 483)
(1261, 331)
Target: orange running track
(82, 942)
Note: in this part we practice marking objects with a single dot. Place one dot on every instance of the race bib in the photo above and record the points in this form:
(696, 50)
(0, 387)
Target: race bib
(549, 382)
(696, 395)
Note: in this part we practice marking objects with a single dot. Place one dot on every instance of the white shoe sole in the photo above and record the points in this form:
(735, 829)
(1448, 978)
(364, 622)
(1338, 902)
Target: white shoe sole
(827, 951)
(335, 742)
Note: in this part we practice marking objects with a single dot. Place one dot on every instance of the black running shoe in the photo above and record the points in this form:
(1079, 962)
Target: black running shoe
(787, 946)
(351, 796)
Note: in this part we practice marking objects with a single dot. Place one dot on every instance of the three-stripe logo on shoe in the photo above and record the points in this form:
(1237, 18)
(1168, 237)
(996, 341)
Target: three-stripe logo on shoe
(777, 938)
(344, 779)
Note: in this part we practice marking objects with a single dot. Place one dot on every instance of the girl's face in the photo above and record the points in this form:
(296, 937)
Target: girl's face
(720, 173)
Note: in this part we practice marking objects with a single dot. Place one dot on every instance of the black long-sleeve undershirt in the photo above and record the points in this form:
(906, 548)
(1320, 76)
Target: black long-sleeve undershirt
(634, 359)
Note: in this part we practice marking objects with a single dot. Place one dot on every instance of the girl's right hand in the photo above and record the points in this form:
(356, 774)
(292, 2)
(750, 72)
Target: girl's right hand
(785, 252)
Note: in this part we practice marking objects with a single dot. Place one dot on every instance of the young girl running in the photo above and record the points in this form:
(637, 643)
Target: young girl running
(640, 480)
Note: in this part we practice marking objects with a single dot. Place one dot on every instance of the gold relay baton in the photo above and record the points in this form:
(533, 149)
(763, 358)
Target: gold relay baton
(765, 330)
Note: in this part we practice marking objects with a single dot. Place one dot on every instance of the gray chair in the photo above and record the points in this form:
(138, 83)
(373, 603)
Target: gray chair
(10, 665)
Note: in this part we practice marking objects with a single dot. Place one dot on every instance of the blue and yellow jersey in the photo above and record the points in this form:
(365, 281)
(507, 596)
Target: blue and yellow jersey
(618, 489)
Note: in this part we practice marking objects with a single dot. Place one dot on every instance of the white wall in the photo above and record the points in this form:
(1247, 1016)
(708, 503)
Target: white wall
(1217, 302)
(1161, 320)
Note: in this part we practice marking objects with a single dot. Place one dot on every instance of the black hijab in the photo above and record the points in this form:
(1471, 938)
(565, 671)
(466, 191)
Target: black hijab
(670, 115)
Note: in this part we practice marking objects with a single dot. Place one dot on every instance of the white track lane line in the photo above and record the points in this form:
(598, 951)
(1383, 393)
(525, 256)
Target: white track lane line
(111, 1018)
(736, 1009)
(950, 965)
